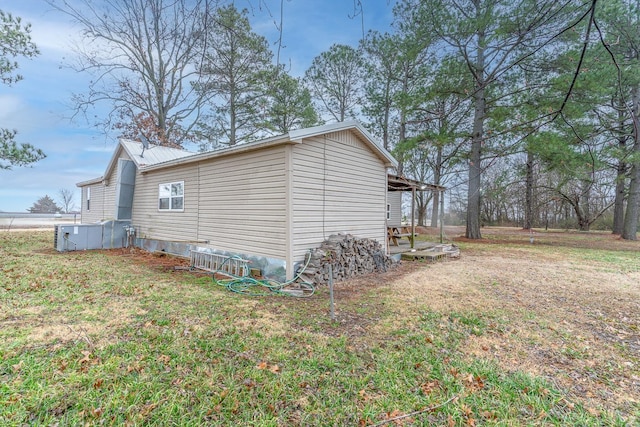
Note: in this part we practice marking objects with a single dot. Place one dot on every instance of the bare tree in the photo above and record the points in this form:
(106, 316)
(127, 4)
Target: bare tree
(66, 199)
(141, 54)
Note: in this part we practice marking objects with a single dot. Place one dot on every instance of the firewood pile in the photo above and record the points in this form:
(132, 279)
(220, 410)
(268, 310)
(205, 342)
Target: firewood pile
(348, 256)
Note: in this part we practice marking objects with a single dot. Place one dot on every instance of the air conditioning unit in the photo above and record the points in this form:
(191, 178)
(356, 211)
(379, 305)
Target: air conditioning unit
(104, 235)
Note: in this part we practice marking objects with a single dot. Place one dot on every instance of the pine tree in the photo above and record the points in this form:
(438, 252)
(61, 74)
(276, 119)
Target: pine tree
(44, 205)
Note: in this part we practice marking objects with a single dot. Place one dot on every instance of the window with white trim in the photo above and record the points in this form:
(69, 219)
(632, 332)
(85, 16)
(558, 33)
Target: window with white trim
(171, 196)
(88, 198)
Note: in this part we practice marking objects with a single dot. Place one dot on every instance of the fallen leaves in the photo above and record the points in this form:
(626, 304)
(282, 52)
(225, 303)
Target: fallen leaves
(429, 386)
(86, 358)
(473, 382)
(268, 367)
(249, 383)
(18, 366)
(164, 359)
(148, 408)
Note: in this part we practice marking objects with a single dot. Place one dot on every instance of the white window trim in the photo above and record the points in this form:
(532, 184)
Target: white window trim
(88, 199)
(170, 197)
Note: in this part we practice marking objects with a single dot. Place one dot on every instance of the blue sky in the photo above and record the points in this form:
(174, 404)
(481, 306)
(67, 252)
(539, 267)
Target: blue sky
(39, 107)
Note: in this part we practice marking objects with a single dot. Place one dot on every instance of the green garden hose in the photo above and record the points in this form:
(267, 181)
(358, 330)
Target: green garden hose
(247, 285)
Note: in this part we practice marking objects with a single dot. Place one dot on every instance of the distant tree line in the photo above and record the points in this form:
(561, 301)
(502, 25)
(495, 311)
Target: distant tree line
(526, 110)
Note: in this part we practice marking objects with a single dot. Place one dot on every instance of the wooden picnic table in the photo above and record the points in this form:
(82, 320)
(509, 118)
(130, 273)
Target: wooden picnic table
(395, 233)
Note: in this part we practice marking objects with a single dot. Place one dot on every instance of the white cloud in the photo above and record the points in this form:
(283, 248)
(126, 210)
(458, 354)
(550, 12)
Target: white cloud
(9, 104)
(51, 30)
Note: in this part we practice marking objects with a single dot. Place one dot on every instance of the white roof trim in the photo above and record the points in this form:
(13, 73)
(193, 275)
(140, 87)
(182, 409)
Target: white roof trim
(90, 182)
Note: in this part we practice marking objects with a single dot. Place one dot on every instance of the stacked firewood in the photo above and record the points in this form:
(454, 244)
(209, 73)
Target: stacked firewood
(345, 256)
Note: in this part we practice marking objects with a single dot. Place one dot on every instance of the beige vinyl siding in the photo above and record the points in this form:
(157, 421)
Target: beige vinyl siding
(152, 223)
(339, 186)
(394, 199)
(95, 213)
(102, 205)
(243, 202)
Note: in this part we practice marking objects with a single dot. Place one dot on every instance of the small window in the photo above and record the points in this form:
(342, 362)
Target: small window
(171, 196)
(388, 211)
(88, 197)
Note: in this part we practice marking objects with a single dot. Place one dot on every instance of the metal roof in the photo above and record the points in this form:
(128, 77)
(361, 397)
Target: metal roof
(153, 155)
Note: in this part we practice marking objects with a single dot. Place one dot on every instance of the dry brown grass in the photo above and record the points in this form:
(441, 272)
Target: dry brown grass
(555, 314)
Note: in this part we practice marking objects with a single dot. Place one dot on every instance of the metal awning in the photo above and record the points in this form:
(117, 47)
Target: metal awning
(401, 183)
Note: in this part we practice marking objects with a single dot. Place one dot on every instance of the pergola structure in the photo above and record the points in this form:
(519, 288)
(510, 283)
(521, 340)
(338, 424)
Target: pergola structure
(401, 183)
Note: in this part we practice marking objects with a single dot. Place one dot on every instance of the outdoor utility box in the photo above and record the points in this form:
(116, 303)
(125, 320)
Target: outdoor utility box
(104, 235)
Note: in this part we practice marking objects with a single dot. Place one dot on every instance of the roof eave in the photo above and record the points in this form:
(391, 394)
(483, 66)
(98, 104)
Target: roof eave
(90, 182)
(198, 157)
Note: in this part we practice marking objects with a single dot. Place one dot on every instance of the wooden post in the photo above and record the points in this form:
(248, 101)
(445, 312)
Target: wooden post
(413, 214)
(441, 216)
(332, 311)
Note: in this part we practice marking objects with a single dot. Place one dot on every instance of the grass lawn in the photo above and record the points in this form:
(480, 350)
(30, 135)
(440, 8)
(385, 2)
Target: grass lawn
(512, 333)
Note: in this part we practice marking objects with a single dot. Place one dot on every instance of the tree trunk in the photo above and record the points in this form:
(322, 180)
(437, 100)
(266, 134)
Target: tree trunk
(437, 173)
(232, 119)
(422, 212)
(477, 138)
(385, 126)
(403, 124)
(584, 206)
(583, 223)
(528, 204)
(582, 218)
(618, 207)
(630, 229)
(435, 210)
(621, 170)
